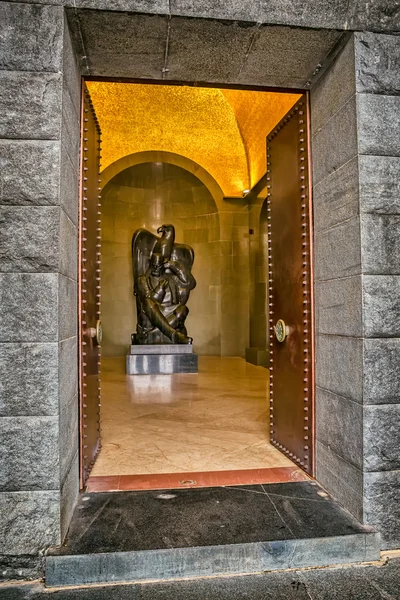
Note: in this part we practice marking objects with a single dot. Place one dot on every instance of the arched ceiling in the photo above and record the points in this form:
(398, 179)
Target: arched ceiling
(223, 131)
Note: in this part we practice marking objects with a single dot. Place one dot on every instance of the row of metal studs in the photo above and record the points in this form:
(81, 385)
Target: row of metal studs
(302, 141)
(88, 109)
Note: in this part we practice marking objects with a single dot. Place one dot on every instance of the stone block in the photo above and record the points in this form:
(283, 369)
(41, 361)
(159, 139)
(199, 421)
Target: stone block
(68, 264)
(31, 38)
(245, 10)
(257, 356)
(29, 239)
(339, 365)
(30, 104)
(381, 371)
(378, 124)
(382, 437)
(161, 364)
(29, 172)
(69, 495)
(382, 506)
(339, 426)
(337, 251)
(123, 44)
(71, 72)
(338, 304)
(67, 370)
(67, 307)
(336, 143)
(336, 198)
(161, 349)
(286, 57)
(380, 184)
(134, 6)
(29, 307)
(70, 129)
(29, 379)
(335, 88)
(381, 299)
(29, 521)
(69, 435)
(379, 15)
(380, 244)
(341, 479)
(29, 453)
(378, 63)
(207, 50)
(69, 186)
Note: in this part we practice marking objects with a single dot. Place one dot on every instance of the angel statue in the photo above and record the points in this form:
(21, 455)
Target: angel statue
(162, 283)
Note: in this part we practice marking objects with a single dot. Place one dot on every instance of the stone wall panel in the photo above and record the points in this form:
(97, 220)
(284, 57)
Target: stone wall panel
(339, 365)
(378, 124)
(381, 295)
(381, 371)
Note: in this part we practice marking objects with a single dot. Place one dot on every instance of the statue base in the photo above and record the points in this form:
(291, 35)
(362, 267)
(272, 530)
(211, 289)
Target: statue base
(161, 359)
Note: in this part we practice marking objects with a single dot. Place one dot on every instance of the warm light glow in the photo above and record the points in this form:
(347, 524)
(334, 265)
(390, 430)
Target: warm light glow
(223, 131)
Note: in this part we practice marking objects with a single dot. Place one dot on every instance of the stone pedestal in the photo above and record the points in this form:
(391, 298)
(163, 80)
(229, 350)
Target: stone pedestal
(161, 359)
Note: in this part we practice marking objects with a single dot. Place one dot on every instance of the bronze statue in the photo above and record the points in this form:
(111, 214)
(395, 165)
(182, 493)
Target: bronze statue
(162, 282)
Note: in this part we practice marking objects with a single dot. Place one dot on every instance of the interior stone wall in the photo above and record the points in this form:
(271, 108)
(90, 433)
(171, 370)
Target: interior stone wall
(39, 159)
(148, 195)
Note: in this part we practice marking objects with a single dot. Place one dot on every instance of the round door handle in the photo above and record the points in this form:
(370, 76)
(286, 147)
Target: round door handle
(95, 332)
(281, 330)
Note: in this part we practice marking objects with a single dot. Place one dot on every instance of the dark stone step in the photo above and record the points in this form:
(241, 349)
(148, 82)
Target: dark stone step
(172, 534)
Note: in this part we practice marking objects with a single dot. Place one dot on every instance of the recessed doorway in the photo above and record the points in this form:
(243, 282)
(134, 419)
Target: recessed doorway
(197, 158)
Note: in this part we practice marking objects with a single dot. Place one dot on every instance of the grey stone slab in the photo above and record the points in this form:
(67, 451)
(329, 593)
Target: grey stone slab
(69, 495)
(334, 89)
(336, 143)
(161, 364)
(69, 435)
(378, 124)
(382, 437)
(381, 371)
(161, 349)
(29, 307)
(69, 186)
(67, 370)
(160, 7)
(29, 453)
(123, 45)
(32, 37)
(379, 15)
(29, 521)
(246, 10)
(339, 426)
(380, 184)
(204, 50)
(378, 63)
(380, 244)
(70, 129)
(29, 172)
(381, 298)
(337, 251)
(68, 259)
(20, 568)
(29, 382)
(336, 198)
(67, 308)
(286, 57)
(382, 506)
(29, 239)
(71, 70)
(339, 365)
(341, 479)
(206, 561)
(30, 105)
(338, 307)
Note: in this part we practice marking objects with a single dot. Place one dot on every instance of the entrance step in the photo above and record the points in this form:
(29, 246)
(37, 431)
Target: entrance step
(173, 534)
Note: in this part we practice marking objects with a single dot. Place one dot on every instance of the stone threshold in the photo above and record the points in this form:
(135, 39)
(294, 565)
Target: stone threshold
(202, 532)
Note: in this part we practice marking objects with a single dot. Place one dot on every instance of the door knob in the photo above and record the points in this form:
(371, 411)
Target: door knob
(95, 332)
(281, 330)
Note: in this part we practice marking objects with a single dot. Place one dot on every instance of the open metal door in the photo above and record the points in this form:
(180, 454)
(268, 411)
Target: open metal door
(291, 327)
(89, 288)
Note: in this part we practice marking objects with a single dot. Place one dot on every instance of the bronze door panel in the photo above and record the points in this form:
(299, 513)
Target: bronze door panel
(89, 288)
(290, 287)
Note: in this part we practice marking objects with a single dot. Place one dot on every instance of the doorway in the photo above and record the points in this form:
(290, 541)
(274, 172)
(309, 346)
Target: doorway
(214, 427)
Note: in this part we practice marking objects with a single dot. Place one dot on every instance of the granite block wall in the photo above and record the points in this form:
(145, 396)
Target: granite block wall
(38, 274)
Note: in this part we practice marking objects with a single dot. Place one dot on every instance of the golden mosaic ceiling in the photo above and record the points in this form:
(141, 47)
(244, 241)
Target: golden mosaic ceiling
(223, 131)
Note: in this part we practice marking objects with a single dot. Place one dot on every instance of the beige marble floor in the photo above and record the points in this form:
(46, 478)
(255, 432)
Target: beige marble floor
(215, 420)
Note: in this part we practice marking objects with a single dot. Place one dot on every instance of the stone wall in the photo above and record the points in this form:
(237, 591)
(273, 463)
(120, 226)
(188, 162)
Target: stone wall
(38, 272)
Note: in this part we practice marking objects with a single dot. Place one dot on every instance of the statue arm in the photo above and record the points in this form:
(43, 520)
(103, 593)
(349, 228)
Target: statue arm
(182, 272)
(145, 290)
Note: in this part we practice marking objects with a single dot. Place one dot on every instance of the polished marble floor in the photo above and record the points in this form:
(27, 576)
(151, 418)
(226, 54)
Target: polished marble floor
(216, 420)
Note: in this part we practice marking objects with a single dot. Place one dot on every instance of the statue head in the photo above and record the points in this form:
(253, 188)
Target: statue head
(157, 264)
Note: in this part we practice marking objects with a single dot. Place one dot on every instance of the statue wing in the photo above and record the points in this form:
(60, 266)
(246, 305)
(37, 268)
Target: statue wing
(143, 242)
(183, 253)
